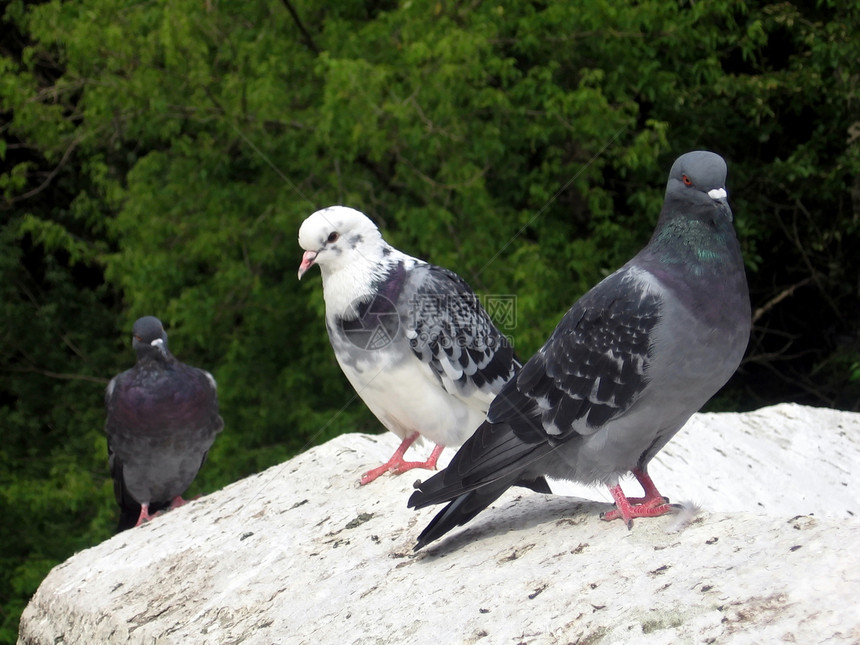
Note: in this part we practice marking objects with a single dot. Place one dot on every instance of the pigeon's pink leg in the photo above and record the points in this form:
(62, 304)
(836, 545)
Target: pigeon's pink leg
(391, 464)
(652, 495)
(144, 515)
(397, 465)
(652, 505)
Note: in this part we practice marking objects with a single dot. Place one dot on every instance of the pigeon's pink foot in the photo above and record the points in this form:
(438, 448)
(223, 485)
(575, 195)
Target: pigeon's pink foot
(177, 502)
(144, 515)
(652, 505)
(397, 465)
(430, 464)
(144, 509)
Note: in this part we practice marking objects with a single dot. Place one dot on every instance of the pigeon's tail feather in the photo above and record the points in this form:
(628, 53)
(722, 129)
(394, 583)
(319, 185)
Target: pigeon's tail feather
(129, 509)
(492, 456)
(461, 510)
(489, 463)
(127, 518)
(467, 506)
(538, 485)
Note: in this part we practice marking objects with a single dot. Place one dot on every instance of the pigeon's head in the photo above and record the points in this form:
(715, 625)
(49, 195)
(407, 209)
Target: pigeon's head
(149, 337)
(336, 237)
(698, 177)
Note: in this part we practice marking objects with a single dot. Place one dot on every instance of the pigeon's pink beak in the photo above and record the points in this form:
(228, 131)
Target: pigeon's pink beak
(307, 262)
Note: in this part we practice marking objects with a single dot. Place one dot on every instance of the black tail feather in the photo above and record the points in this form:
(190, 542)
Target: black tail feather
(489, 463)
(460, 511)
(465, 507)
(538, 485)
(127, 518)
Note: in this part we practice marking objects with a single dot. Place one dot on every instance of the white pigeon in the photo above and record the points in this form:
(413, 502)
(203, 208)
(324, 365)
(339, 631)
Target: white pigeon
(411, 337)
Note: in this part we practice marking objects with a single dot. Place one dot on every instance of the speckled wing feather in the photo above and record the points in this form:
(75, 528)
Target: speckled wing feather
(592, 368)
(449, 330)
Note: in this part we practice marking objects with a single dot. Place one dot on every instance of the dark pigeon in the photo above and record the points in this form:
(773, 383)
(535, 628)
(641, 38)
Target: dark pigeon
(625, 369)
(412, 338)
(162, 418)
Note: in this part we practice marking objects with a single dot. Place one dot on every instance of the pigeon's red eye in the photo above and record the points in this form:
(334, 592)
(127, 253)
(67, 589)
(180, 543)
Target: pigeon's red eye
(687, 181)
(333, 236)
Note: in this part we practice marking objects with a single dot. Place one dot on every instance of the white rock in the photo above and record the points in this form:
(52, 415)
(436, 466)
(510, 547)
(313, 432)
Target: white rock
(786, 459)
(301, 554)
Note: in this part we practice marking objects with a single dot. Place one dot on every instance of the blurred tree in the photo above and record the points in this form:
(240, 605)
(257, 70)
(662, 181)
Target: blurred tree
(159, 157)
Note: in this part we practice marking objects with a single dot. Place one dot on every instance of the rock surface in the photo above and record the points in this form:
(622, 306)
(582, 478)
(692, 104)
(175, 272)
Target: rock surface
(301, 554)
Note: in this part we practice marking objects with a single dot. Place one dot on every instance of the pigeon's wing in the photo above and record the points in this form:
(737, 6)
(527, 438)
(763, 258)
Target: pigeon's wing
(202, 403)
(592, 368)
(117, 414)
(203, 398)
(129, 507)
(450, 331)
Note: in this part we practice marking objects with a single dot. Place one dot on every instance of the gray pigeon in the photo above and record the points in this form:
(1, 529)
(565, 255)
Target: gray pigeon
(627, 366)
(162, 418)
(411, 337)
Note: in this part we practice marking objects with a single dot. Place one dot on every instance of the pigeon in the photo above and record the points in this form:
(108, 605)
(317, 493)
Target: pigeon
(627, 366)
(162, 418)
(412, 338)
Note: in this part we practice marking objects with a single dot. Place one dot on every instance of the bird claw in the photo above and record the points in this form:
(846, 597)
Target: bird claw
(649, 501)
(640, 510)
(626, 508)
(397, 466)
(178, 501)
(373, 474)
(608, 516)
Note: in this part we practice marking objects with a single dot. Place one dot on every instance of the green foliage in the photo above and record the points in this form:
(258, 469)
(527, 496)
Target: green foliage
(159, 157)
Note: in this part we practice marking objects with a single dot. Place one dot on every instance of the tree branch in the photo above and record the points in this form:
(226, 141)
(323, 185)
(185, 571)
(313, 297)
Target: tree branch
(308, 40)
(808, 262)
(782, 295)
(38, 189)
(59, 375)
